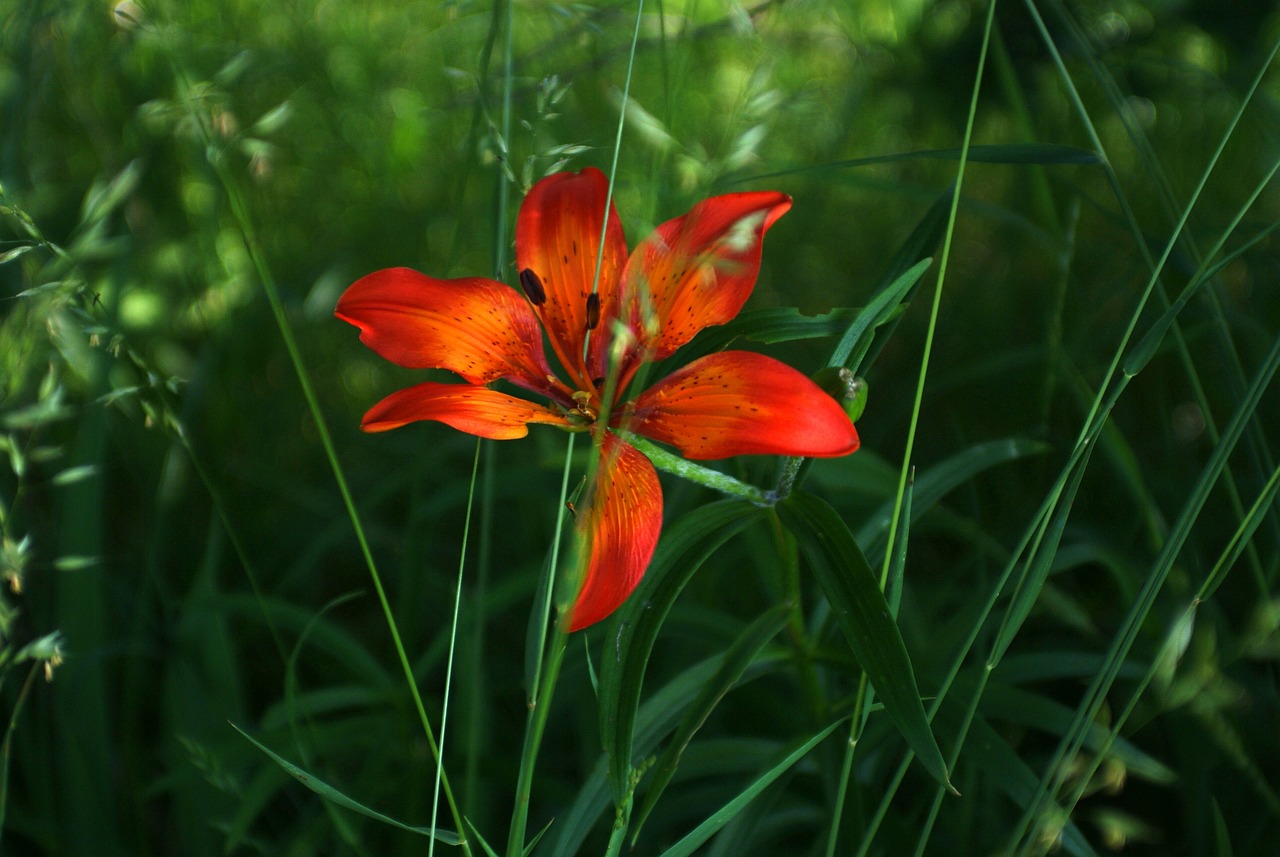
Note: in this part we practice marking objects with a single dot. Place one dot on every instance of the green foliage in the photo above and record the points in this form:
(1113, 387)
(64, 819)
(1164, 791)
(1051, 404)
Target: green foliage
(1051, 572)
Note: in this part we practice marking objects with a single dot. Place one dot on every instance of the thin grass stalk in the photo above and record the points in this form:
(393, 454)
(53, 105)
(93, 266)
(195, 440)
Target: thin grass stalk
(6, 748)
(453, 639)
(1166, 196)
(1157, 266)
(611, 379)
(244, 224)
(943, 260)
(1118, 654)
(1029, 542)
(904, 473)
(1226, 561)
(1177, 235)
(241, 216)
(1122, 348)
(548, 670)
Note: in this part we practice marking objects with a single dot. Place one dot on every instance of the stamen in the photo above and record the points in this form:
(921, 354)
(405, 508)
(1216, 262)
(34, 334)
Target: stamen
(533, 287)
(593, 311)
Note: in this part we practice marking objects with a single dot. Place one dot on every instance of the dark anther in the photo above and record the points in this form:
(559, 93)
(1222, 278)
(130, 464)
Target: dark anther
(593, 311)
(598, 383)
(533, 287)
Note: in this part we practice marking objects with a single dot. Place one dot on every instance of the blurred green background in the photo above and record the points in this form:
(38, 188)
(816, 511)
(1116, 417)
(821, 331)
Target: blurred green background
(168, 508)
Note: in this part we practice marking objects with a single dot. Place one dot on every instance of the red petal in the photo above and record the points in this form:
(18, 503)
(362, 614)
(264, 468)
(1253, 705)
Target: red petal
(475, 410)
(622, 522)
(698, 270)
(558, 238)
(741, 403)
(478, 328)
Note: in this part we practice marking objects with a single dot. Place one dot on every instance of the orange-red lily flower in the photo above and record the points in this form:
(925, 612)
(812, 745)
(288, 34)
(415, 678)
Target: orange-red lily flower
(694, 271)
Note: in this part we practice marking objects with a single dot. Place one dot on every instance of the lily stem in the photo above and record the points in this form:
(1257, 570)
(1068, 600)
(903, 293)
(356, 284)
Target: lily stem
(539, 708)
(714, 479)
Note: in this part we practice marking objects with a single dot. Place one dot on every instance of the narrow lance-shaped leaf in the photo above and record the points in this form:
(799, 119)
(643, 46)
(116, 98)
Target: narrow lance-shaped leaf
(855, 342)
(331, 794)
(859, 606)
(726, 813)
(1011, 153)
(941, 478)
(1037, 571)
(683, 549)
(736, 659)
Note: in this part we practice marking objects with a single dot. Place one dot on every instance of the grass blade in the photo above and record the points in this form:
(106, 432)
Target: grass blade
(681, 552)
(725, 814)
(860, 608)
(332, 795)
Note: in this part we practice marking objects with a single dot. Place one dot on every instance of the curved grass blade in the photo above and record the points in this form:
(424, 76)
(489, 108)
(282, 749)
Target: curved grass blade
(722, 816)
(885, 306)
(1038, 565)
(858, 604)
(682, 550)
(940, 479)
(484, 846)
(656, 718)
(1034, 711)
(1008, 772)
(334, 796)
(736, 659)
(1045, 154)
(768, 326)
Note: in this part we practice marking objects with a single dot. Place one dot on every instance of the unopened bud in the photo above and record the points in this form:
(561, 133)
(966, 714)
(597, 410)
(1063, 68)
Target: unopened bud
(845, 387)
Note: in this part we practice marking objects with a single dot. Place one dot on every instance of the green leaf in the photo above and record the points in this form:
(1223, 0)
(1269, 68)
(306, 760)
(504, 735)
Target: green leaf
(768, 326)
(988, 752)
(940, 479)
(476, 837)
(855, 343)
(656, 718)
(722, 816)
(919, 246)
(681, 552)
(10, 255)
(331, 794)
(1038, 565)
(1035, 711)
(273, 120)
(859, 606)
(104, 199)
(736, 659)
(1012, 153)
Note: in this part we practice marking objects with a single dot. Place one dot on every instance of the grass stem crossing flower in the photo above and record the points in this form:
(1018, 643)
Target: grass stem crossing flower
(692, 272)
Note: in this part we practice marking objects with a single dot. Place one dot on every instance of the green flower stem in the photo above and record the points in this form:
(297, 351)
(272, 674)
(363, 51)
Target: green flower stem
(714, 479)
(543, 681)
(539, 709)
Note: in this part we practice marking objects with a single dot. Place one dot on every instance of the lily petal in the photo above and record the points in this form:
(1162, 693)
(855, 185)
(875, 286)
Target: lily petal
(621, 522)
(475, 410)
(478, 328)
(741, 403)
(558, 238)
(698, 270)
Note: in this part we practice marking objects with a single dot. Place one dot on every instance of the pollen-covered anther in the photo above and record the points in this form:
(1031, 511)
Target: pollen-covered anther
(593, 311)
(532, 286)
(582, 399)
